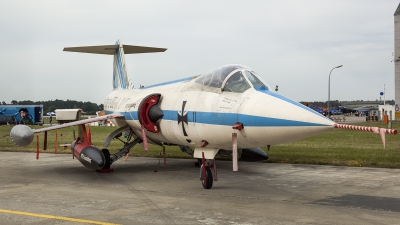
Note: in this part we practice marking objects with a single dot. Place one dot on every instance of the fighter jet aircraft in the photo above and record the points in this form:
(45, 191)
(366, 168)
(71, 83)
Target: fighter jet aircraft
(366, 108)
(229, 109)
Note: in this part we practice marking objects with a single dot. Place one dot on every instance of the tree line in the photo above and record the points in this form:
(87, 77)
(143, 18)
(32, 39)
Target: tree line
(50, 106)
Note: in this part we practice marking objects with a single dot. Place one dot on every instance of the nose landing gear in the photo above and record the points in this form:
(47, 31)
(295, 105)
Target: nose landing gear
(206, 177)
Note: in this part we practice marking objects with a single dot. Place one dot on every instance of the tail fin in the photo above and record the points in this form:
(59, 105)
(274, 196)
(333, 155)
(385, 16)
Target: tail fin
(120, 74)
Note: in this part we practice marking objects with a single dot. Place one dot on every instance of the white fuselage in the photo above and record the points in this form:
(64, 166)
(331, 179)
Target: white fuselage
(194, 113)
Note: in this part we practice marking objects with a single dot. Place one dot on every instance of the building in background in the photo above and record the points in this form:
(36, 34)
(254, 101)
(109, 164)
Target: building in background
(397, 56)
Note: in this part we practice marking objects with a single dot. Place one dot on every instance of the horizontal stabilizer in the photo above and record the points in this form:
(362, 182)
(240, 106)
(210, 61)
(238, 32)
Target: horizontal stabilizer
(110, 49)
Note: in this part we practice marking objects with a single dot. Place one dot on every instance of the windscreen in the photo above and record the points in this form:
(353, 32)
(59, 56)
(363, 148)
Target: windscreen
(255, 81)
(236, 83)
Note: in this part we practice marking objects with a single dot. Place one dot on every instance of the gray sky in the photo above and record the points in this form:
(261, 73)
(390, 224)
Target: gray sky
(292, 44)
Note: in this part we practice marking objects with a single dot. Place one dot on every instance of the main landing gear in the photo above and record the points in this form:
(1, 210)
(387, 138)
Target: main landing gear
(206, 175)
(128, 145)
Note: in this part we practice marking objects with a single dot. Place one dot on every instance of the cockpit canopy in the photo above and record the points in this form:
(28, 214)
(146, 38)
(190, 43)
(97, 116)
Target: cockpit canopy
(232, 78)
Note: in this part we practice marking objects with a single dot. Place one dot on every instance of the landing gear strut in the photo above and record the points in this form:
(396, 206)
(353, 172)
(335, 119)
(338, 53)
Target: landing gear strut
(125, 150)
(110, 159)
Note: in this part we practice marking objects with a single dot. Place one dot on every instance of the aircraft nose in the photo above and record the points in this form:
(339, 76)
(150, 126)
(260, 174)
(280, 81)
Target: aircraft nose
(276, 119)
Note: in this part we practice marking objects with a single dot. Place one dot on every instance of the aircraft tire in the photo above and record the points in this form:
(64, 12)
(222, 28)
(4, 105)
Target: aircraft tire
(209, 178)
(106, 154)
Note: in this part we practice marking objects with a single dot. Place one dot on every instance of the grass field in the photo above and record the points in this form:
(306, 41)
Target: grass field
(336, 147)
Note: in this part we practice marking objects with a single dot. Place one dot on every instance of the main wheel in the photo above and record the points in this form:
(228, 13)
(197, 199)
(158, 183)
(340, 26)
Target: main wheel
(106, 154)
(209, 178)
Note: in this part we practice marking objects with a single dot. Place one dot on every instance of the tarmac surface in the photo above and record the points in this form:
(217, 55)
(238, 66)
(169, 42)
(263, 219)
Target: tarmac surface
(57, 189)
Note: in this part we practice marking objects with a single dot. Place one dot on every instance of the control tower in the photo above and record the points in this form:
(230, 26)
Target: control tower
(397, 55)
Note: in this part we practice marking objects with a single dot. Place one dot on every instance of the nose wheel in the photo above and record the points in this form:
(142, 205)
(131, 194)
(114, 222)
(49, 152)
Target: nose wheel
(206, 177)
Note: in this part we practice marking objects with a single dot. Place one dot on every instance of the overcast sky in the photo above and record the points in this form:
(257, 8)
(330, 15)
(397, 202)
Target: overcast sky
(292, 44)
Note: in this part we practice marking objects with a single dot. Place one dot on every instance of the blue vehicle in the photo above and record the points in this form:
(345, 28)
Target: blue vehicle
(318, 109)
(334, 111)
(21, 114)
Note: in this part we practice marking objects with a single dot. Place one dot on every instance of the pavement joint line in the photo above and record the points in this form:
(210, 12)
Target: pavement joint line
(55, 217)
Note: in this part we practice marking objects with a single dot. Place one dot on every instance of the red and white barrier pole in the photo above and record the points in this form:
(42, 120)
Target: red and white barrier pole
(368, 129)
(376, 130)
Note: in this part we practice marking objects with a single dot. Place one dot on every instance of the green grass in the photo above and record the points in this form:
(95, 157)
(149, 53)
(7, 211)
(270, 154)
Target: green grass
(336, 147)
(342, 148)
(65, 135)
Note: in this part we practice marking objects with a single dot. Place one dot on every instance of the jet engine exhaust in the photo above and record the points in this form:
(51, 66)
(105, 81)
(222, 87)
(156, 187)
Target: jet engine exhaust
(21, 135)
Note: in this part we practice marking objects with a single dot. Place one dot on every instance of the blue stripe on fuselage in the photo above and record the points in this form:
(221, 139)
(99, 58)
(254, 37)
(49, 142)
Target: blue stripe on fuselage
(229, 119)
(224, 119)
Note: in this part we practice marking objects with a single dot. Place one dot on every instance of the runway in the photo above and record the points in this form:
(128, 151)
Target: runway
(65, 192)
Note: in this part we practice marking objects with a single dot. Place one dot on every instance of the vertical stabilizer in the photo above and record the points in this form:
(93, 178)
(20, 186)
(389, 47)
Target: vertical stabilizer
(120, 73)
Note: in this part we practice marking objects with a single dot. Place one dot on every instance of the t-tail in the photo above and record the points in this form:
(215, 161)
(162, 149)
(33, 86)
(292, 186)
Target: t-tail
(121, 80)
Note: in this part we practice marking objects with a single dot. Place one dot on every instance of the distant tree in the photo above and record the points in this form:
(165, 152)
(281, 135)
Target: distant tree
(4, 103)
(26, 102)
(90, 108)
(51, 108)
(14, 102)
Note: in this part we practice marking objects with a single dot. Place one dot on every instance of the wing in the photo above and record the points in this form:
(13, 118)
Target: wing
(91, 120)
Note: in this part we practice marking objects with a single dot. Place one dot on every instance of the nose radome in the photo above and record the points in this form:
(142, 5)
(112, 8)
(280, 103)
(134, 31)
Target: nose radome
(276, 119)
(272, 105)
